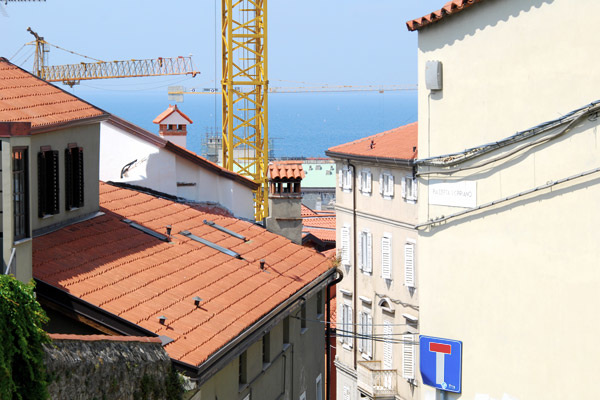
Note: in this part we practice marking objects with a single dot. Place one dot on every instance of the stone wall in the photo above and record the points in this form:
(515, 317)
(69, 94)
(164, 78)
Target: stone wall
(106, 367)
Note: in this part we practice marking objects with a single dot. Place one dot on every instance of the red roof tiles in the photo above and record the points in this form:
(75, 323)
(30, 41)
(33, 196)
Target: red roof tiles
(25, 97)
(322, 227)
(286, 170)
(138, 277)
(170, 110)
(450, 8)
(399, 143)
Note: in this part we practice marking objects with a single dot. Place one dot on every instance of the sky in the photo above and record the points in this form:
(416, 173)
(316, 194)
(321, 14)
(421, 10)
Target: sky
(336, 42)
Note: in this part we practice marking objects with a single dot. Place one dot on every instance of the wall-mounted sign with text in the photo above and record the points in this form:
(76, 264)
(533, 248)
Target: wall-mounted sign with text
(454, 194)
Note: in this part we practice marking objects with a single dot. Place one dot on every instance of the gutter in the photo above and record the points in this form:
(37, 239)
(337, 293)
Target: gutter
(354, 266)
(392, 162)
(328, 330)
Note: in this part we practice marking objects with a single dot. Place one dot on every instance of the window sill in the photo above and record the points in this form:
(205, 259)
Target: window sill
(21, 241)
(266, 366)
(388, 197)
(242, 387)
(73, 208)
(347, 346)
(303, 331)
(367, 273)
(366, 356)
(320, 316)
(48, 216)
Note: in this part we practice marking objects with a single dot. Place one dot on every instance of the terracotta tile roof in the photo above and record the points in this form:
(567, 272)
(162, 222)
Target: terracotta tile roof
(395, 144)
(170, 110)
(138, 277)
(450, 8)
(306, 211)
(97, 338)
(25, 97)
(323, 228)
(331, 253)
(286, 170)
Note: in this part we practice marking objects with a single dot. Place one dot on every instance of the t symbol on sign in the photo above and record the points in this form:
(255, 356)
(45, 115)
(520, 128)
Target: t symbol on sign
(441, 350)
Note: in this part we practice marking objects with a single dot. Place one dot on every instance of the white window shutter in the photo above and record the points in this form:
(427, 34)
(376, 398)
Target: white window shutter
(341, 322)
(349, 330)
(349, 179)
(345, 245)
(387, 345)
(360, 250)
(414, 189)
(386, 257)
(369, 266)
(390, 185)
(360, 180)
(409, 264)
(361, 329)
(341, 177)
(369, 182)
(408, 357)
(346, 393)
(403, 188)
(381, 188)
(369, 335)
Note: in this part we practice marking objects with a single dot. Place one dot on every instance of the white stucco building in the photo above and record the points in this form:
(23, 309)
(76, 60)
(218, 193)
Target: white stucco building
(508, 258)
(135, 156)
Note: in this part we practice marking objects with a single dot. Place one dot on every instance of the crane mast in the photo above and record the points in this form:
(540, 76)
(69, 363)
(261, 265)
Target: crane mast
(244, 89)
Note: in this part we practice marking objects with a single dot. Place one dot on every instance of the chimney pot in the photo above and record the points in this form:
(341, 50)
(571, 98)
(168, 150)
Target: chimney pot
(262, 264)
(162, 319)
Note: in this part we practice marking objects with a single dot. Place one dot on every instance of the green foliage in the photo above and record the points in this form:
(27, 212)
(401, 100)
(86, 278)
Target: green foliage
(174, 384)
(22, 370)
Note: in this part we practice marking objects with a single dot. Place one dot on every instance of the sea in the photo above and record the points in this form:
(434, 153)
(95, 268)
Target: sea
(300, 124)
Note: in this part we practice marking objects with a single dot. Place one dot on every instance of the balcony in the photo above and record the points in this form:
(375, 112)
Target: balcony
(376, 382)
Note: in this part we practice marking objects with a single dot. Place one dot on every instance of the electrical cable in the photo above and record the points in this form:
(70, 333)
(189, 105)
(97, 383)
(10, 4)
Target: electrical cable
(73, 52)
(14, 55)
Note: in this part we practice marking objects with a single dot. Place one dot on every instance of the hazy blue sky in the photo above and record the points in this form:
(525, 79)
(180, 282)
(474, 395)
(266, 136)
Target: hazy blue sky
(312, 41)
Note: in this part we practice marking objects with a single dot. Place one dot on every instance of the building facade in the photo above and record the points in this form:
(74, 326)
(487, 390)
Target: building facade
(507, 253)
(378, 299)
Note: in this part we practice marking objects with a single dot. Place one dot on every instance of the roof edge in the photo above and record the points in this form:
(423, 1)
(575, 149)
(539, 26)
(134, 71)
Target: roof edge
(136, 130)
(399, 162)
(450, 8)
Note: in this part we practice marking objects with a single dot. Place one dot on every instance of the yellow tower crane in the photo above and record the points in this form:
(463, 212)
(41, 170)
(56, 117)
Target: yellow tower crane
(71, 74)
(244, 89)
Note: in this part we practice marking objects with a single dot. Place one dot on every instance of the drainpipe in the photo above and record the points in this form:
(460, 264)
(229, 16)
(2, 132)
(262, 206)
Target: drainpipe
(354, 294)
(328, 332)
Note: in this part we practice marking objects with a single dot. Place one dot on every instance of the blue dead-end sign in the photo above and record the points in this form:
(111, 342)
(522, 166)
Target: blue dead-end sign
(441, 363)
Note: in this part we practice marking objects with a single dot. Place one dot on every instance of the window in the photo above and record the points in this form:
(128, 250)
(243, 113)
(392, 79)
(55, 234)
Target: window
(345, 234)
(243, 369)
(345, 335)
(320, 303)
(365, 334)
(319, 388)
(73, 177)
(365, 181)
(408, 357)
(303, 318)
(409, 264)
(345, 179)
(386, 256)
(409, 189)
(47, 182)
(365, 249)
(266, 348)
(386, 185)
(286, 330)
(21, 192)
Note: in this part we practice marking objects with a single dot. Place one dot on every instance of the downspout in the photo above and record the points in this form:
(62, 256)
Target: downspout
(354, 295)
(328, 332)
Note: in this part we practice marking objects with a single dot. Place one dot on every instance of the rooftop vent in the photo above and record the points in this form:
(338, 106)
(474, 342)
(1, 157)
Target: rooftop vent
(197, 300)
(211, 244)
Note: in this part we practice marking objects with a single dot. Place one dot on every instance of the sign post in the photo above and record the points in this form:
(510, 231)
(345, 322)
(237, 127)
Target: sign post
(441, 363)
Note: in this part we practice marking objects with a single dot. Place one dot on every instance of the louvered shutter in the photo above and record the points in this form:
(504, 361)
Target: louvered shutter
(345, 245)
(361, 332)
(360, 180)
(341, 178)
(350, 329)
(349, 179)
(42, 184)
(404, 188)
(68, 179)
(390, 185)
(360, 251)
(341, 322)
(387, 345)
(408, 357)
(369, 335)
(381, 185)
(409, 264)
(78, 178)
(386, 257)
(414, 189)
(369, 261)
(346, 393)
(369, 185)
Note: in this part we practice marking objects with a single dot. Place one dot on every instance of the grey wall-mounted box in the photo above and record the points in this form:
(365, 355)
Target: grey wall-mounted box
(433, 75)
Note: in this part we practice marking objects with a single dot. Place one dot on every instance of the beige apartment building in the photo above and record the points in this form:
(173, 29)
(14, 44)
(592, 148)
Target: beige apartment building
(508, 257)
(378, 299)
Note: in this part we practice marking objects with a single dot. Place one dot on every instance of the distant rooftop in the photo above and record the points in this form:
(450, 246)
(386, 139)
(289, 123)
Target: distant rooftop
(450, 8)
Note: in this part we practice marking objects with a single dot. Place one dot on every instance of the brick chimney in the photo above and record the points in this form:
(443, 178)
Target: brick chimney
(285, 198)
(172, 125)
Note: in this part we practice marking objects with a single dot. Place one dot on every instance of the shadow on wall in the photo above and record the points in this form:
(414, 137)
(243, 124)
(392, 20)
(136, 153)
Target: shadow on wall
(503, 10)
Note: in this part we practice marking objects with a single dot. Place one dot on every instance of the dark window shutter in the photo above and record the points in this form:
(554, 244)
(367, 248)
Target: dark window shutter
(78, 164)
(68, 179)
(52, 202)
(42, 184)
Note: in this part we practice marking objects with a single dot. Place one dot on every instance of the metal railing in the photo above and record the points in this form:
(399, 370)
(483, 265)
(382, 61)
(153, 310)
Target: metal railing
(376, 381)
(11, 268)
